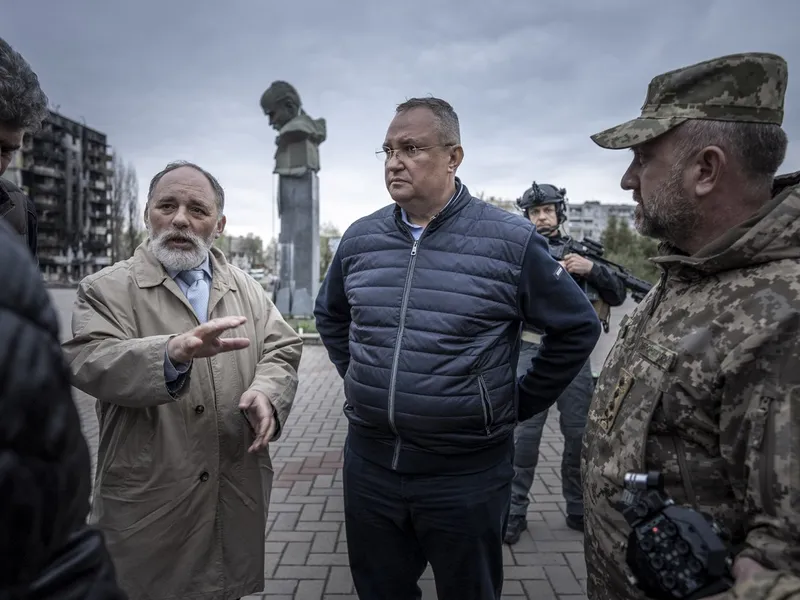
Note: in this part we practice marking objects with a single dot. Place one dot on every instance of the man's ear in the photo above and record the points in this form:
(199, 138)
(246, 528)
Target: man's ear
(708, 169)
(220, 226)
(456, 157)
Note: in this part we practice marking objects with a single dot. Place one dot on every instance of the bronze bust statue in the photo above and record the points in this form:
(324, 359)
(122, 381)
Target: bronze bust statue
(299, 136)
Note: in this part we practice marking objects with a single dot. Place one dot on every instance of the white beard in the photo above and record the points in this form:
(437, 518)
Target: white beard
(177, 259)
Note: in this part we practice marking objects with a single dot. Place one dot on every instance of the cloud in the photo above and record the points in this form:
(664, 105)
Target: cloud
(530, 82)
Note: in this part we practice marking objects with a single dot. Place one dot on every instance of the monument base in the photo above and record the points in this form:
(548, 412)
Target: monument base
(298, 277)
(297, 303)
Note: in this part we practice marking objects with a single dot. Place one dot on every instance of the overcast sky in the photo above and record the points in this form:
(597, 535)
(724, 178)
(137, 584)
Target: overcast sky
(530, 80)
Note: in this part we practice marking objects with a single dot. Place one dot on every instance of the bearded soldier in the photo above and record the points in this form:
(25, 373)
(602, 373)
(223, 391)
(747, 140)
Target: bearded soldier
(703, 384)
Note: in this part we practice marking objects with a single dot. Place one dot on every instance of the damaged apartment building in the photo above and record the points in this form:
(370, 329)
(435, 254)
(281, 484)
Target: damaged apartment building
(65, 168)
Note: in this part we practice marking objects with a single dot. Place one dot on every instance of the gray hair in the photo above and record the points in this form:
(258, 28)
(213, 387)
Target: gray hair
(23, 104)
(758, 148)
(219, 193)
(449, 130)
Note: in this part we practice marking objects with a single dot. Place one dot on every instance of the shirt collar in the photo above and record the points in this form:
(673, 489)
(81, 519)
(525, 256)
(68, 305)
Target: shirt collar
(205, 266)
(406, 220)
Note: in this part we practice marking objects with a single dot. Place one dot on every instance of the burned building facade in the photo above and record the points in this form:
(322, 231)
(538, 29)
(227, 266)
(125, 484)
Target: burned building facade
(65, 168)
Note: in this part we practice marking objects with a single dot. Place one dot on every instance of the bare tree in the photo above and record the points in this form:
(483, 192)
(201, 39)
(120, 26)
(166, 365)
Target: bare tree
(134, 232)
(327, 233)
(253, 248)
(271, 256)
(126, 227)
(118, 209)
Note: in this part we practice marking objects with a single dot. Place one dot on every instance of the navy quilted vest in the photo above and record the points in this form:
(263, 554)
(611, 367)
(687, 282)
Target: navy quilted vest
(435, 327)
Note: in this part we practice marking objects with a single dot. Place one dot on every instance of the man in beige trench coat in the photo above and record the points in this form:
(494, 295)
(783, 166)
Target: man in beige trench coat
(195, 371)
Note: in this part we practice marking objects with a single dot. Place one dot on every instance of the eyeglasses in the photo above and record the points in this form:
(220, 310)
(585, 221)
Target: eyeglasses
(411, 152)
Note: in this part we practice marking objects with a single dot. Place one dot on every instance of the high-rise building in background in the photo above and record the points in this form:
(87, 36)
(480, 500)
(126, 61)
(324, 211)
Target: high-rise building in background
(65, 168)
(590, 219)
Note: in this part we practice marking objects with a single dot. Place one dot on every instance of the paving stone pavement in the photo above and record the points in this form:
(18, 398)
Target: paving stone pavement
(305, 550)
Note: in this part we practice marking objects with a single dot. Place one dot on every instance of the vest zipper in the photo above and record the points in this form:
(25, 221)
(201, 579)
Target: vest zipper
(400, 329)
(396, 359)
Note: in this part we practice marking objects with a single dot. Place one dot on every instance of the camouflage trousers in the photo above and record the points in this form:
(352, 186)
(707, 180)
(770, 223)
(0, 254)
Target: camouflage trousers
(573, 408)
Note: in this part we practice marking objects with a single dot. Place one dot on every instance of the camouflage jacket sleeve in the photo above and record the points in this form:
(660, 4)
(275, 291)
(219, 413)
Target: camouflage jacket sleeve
(760, 434)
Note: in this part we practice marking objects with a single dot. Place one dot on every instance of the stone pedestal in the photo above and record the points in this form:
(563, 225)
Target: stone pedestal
(298, 242)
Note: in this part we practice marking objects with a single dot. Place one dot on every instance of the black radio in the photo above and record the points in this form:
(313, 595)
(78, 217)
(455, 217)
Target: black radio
(674, 552)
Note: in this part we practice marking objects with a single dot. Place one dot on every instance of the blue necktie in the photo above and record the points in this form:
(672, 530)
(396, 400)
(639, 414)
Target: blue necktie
(197, 294)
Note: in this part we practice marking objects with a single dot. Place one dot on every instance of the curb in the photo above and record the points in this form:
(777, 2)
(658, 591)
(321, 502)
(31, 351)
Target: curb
(54, 285)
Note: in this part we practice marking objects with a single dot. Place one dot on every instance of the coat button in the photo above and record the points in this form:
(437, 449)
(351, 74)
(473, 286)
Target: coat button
(199, 409)
(204, 476)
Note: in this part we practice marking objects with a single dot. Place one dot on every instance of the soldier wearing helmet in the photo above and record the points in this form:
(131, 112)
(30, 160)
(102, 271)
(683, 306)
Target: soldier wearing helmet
(545, 205)
(541, 195)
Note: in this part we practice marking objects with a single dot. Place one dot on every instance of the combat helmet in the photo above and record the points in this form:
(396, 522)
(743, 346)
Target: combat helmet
(540, 194)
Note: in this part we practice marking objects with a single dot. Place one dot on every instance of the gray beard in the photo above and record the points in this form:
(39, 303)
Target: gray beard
(669, 214)
(174, 259)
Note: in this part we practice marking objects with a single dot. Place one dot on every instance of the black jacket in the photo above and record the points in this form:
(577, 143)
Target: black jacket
(19, 211)
(46, 549)
(426, 334)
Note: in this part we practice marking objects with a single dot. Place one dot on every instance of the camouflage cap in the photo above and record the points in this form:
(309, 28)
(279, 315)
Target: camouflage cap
(748, 88)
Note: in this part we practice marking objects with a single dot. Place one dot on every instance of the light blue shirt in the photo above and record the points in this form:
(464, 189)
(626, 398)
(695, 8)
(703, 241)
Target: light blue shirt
(173, 372)
(416, 230)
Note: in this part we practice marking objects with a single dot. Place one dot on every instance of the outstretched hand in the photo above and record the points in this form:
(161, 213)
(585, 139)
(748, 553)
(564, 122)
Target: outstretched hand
(204, 340)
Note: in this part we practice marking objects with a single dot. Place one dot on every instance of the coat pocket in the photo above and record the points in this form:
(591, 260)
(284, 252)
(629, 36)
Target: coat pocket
(486, 404)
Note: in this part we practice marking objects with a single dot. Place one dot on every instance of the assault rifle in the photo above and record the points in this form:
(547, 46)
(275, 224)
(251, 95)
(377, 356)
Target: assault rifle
(593, 250)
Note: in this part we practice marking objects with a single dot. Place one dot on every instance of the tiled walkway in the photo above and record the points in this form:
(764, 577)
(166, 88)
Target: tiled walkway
(306, 555)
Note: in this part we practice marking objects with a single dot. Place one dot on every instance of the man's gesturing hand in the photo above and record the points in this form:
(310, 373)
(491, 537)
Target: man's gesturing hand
(204, 341)
(259, 412)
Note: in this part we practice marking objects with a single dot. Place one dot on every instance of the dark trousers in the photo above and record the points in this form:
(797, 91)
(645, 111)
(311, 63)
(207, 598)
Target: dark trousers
(397, 524)
(573, 407)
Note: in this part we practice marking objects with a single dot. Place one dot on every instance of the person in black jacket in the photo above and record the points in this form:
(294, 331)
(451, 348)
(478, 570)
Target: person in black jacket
(421, 313)
(23, 107)
(545, 205)
(46, 549)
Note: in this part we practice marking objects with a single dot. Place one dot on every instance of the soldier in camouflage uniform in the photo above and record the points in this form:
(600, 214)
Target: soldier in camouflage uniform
(703, 383)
